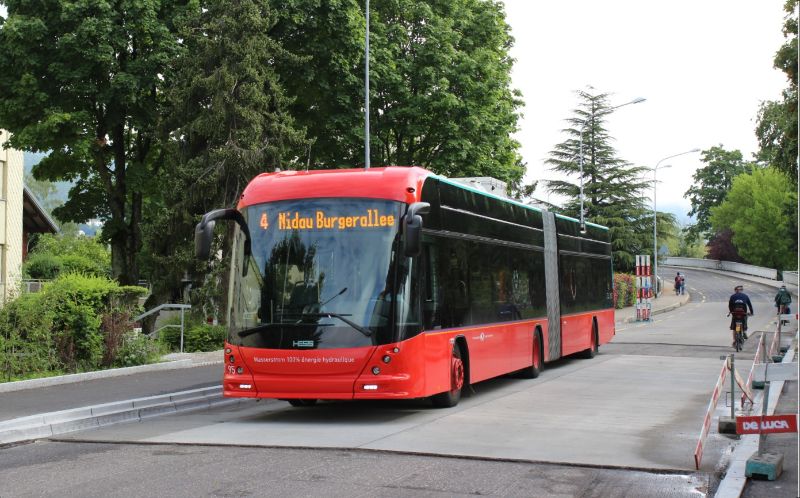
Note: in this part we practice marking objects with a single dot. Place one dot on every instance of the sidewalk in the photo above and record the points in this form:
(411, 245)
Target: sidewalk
(193, 371)
(785, 444)
(668, 301)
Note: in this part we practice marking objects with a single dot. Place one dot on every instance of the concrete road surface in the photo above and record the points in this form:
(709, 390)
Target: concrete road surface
(635, 410)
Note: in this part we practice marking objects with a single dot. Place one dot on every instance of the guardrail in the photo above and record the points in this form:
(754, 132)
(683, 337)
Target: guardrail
(712, 404)
(756, 360)
(716, 264)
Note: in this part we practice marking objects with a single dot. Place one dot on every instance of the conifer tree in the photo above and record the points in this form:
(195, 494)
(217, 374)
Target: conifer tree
(227, 121)
(614, 189)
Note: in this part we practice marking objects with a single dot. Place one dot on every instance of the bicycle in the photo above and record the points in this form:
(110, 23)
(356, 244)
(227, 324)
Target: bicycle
(738, 327)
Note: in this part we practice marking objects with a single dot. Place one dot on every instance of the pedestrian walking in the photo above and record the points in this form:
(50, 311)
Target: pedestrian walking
(782, 301)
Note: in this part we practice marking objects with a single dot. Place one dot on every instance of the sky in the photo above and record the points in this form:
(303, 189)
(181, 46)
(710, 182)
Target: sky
(704, 67)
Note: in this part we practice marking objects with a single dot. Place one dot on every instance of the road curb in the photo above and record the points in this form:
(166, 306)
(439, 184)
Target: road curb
(665, 309)
(50, 424)
(100, 374)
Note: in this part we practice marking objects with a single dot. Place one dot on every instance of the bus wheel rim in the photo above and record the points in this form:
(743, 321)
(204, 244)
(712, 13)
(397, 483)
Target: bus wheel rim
(458, 373)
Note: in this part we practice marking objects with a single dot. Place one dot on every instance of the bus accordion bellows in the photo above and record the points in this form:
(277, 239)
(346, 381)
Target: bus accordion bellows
(396, 283)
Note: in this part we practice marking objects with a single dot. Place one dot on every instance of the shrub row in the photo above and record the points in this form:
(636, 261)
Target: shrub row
(76, 323)
(197, 336)
(624, 290)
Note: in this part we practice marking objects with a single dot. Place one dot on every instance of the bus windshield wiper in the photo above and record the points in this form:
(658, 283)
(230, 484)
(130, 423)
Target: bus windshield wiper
(266, 326)
(367, 332)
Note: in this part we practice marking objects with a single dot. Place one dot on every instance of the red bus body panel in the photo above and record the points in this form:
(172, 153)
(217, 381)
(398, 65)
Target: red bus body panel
(396, 184)
(417, 367)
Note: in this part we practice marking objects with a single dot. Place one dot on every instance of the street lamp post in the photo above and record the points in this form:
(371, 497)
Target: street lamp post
(366, 89)
(583, 129)
(655, 214)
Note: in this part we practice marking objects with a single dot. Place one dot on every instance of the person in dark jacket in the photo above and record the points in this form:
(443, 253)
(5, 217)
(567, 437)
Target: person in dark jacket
(738, 304)
(782, 301)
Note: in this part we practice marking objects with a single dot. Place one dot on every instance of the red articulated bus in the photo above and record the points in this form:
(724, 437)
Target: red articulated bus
(396, 283)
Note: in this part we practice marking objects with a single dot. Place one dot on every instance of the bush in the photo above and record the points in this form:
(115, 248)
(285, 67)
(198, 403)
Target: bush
(55, 254)
(197, 336)
(42, 266)
(78, 302)
(624, 290)
(204, 338)
(116, 324)
(137, 349)
(26, 342)
(62, 327)
(77, 263)
(171, 336)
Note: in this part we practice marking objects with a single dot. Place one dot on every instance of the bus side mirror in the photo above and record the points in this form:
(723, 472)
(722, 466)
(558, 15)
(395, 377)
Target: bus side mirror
(204, 232)
(412, 228)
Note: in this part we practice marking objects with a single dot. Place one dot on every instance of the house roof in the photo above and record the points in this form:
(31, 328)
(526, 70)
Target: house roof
(34, 217)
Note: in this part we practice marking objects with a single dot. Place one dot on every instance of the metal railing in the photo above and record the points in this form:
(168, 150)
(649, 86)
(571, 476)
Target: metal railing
(716, 264)
(33, 285)
(167, 306)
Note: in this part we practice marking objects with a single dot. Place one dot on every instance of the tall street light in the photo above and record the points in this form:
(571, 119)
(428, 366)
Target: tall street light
(366, 89)
(655, 234)
(583, 129)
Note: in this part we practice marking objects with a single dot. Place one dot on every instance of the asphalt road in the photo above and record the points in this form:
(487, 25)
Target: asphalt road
(92, 392)
(622, 424)
(114, 470)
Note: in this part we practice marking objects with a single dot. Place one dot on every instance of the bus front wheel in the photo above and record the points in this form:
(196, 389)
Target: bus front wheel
(451, 397)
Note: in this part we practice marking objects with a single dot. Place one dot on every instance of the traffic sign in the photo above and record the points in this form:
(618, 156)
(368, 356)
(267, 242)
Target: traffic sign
(767, 424)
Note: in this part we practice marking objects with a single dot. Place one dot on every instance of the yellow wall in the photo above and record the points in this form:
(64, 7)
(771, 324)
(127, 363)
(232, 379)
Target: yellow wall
(11, 187)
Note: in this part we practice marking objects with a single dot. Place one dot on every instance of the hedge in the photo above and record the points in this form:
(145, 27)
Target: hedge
(197, 336)
(624, 290)
(72, 325)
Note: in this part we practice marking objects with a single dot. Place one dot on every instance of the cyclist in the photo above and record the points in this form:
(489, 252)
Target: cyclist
(737, 306)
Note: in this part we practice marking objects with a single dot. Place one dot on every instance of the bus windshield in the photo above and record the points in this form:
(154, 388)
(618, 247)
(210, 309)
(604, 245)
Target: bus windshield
(320, 275)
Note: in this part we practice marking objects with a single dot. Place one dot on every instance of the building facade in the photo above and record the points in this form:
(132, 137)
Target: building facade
(11, 214)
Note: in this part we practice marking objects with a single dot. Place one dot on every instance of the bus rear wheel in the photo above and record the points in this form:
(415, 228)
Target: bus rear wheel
(302, 402)
(537, 359)
(592, 351)
(451, 398)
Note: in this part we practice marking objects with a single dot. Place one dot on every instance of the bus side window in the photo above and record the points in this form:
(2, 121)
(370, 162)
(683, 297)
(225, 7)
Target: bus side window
(453, 283)
(430, 296)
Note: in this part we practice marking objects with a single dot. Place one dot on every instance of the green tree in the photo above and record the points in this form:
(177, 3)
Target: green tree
(326, 81)
(613, 188)
(776, 126)
(759, 209)
(55, 254)
(82, 80)
(228, 118)
(679, 244)
(440, 85)
(711, 184)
